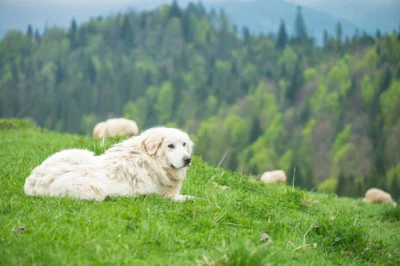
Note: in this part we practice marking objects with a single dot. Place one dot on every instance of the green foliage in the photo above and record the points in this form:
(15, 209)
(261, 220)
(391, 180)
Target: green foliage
(368, 90)
(288, 60)
(341, 154)
(345, 237)
(134, 111)
(318, 99)
(286, 161)
(393, 179)
(338, 78)
(16, 123)
(369, 61)
(164, 103)
(390, 104)
(342, 139)
(392, 214)
(328, 186)
(88, 122)
(309, 74)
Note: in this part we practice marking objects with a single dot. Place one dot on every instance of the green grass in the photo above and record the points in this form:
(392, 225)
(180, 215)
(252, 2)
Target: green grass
(218, 228)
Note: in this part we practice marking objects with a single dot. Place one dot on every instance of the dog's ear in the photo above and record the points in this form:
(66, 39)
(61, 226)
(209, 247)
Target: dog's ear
(151, 144)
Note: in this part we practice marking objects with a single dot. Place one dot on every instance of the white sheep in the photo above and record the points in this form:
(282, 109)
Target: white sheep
(277, 176)
(376, 195)
(98, 130)
(116, 127)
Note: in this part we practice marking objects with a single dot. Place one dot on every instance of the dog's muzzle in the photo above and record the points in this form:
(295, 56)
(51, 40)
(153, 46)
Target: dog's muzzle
(187, 161)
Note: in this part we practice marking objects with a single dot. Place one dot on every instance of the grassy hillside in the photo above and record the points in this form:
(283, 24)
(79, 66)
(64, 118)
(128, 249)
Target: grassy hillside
(219, 228)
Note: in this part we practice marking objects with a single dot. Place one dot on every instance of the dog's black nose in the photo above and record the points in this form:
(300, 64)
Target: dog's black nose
(187, 160)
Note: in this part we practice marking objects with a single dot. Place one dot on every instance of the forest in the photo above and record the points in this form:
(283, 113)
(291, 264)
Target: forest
(252, 102)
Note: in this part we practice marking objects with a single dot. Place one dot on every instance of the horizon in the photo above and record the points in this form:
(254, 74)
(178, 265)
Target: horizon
(18, 14)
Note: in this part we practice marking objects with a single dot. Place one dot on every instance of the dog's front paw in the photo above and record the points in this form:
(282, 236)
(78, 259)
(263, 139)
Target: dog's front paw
(183, 197)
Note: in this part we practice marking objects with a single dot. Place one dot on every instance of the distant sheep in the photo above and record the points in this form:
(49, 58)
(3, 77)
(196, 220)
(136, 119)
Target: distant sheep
(375, 195)
(277, 176)
(98, 130)
(116, 127)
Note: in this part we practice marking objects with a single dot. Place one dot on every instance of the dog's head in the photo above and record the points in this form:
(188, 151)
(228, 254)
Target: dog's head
(171, 145)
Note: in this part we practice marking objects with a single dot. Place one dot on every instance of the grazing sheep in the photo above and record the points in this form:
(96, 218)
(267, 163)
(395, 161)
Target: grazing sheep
(277, 176)
(98, 130)
(375, 195)
(116, 127)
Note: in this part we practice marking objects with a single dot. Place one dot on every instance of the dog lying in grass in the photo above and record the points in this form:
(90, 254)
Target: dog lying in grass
(153, 162)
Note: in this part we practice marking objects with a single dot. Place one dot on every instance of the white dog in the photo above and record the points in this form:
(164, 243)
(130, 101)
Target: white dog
(153, 162)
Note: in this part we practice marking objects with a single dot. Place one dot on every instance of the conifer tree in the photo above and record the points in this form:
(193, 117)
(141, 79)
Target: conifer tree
(282, 36)
(29, 32)
(127, 31)
(339, 36)
(300, 30)
(73, 35)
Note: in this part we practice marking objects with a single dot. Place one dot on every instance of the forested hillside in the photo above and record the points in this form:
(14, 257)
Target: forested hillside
(332, 112)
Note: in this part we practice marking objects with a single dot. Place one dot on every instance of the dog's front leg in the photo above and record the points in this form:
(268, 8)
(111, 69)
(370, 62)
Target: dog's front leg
(174, 194)
(183, 197)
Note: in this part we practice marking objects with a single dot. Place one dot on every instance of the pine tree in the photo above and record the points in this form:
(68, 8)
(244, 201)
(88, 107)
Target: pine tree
(326, 40)
(37, 35)
(82, 36)
(300, 30)
(235, 29)
(341, 185)
(246, 35)
(46, 28)
(224, 34)
(339, 33)
(296, 82)
(233, 160)
(59, 73)
(378, 35)
(127, 31)
(91, 71)
(255, 130)
(282, 36)
(284, 71)
(395, 188)
(174, 10)
(29, 32)
(188, 27)
(73, 35)
(386, 80)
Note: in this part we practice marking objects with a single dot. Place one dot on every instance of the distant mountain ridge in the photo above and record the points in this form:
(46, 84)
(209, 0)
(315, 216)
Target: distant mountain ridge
(258, 16)
(265, 16)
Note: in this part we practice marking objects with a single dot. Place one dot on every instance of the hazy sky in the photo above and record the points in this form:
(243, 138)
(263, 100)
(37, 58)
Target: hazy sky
(302, 2)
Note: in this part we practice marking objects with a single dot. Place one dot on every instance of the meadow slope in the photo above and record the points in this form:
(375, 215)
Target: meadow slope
(218, 228)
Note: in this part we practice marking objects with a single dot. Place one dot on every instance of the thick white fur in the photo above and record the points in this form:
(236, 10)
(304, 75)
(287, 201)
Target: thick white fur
(98, 130)
(376, 195)
(116, 127)
(277, 176)
(144, 164)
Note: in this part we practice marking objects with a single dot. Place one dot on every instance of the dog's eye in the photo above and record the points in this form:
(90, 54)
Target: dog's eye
(171, 146)
(184, 144)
